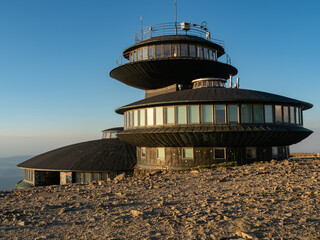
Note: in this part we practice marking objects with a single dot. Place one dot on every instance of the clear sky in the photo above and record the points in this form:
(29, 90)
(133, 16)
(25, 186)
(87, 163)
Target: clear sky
(56, 55)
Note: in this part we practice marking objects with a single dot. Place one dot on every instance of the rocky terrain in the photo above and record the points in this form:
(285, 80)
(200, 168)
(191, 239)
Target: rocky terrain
(277, 199)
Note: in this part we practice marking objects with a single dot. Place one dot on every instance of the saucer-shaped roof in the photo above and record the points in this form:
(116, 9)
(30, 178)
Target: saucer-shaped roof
(99, 155)
(214, 95)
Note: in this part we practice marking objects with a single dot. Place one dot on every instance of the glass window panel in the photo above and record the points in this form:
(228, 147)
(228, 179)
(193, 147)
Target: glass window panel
(113, 175)
(220, 113)
(233, 113)
(142, 117)
(268, 114)
(181, 115)
(192, 51)
(210, 54)
(143, 152)
(291, 114)
(158, 51)
(257, 114)
(167, 50)
(285, 114)
(219, 153)
(300, 116)
(138, 55)
(251, 153)
(150, 116)
(175, 50)
(127, 119)
(297, 116)
(113, 135)
(160, 152)
(214, 55)
(187, 152)
(95, 176)
(87, 177)
(205, 83)
(205, 53)
(78, 177)
(131, 119)
(104, 176)
(159, 116)
(278, 114)
(151, 52)
(194, 114)
(274, 152)
(207, 113)
(134, 56)
(246, 113)
(199, 52)
(170, 115)
(184, 50)
(144, 53)
(135, 118)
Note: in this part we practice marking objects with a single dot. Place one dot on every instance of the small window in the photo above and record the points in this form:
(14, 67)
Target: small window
(113, 135)
(285, 114)
(292, 115)
(142, 117)
(135, 118)
(87, 177)
(131, 119)
(150, 116)
(219, 153)
(151, 52)
(184, 50)
(127, 119)
(251, 152)
(220, 113)
(274, 152)
(268, 114)
(205, 53)
(138, 55)
(167, 50)
(175, 50)
(192, 51)
(160, 153)
(210, 54)
(199, 52)
(78, 177)
(159, 51)
(187, 153)
(297, 115)
(300, 116)
(207, 113)
(278, 111)
(104, 176)
(143, 152)
(134, 56)
(194, 114)
(204, 83)
(257, 114)
(214, 55)
(170, 115)
(95, 176)
(233, 113)
(144, 53)
(246, 113)
(159, 116)
(181, 115)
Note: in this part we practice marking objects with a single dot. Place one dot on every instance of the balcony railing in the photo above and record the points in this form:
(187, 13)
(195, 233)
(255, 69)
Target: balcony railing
(176, 28)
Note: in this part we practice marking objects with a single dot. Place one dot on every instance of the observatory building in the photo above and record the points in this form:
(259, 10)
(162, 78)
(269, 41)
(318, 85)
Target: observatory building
(189, 116)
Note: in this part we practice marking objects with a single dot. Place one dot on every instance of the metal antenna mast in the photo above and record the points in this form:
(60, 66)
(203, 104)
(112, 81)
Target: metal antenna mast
(176, 27)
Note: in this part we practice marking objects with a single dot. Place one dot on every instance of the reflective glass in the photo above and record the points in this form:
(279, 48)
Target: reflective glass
(274, 152)
(127, 119)
(300, 116)
(199, 52)
(134, 56)
(291, 114)
(170, 115)
(233, 113)
(205, 53)
(219, 153)
(175, 50)
(144, 53)
(151, 52)
(149, 116)
(187, 153)
(143, 152)
(194, 114)
(87, 177)
(220, 113)
(78, 177)
(167, 50)
(159, 116)
(181, 115)
(184, 50)
(297, 115)
(135, 118)
(257, 114)
(246, 113)
(158, 51)
(160, 152)
(104, 176)
(268, 114)
(142, 117)
(192, 51)
(210, 54)
(214, 55)
(138, 55)
(278, 114)
(285, 114)
(95, 176)
(251, 153)
(131, 119)
(113, 135)
(207, 113)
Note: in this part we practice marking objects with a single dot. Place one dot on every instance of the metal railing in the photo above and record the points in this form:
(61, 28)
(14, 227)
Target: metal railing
(176, 28)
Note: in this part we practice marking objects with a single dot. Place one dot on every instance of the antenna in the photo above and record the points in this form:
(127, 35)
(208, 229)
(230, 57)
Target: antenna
(176, 27)
(141, 27)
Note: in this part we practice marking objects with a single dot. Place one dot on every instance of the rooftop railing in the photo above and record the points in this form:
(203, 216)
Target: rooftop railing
(176, 28)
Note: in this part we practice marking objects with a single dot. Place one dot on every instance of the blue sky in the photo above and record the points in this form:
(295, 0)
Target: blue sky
(55, 59)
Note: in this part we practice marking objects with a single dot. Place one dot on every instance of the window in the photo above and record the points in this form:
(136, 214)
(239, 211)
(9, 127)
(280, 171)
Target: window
(150, 116)
(143, 152)
(219, 153)
(233, 113)
(278, 111)
(285, 114)
(207, 113)
(300, 116)
(187, 153)
(274, 152)
(214, 55)
(297, 115)
(184, 50)
(104, 176)
(210, 54)
(135, 118)
(142, 117)
(220, 113)
(159, 116)
(194, 114)
(134, 56)
(246, 113)
(167, 50)
(78, 177)
(251, 153)
(170, 115)
(257, 114)
(138, 55)
(192, 50)
(87, 177)
(95, 176)
(158, 51)
(160, 153)
(175, 50)
(131, 119)
(181, 115)
(199, 52)
(292, 115)
(268, 114)
(144, 53)
(113, 135)
(205, 53)
(151, 52)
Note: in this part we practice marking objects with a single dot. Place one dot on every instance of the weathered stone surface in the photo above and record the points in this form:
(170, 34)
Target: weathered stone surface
(277, 199)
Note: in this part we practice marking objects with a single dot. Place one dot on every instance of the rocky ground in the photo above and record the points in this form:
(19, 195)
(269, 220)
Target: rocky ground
(264, 200)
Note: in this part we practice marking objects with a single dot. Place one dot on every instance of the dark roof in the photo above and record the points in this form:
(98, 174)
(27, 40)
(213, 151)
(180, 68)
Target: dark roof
(116, 129)
(213, 95)
(98, 155)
